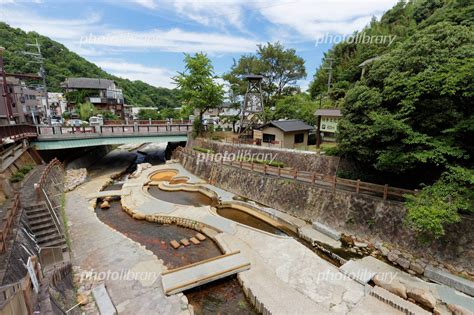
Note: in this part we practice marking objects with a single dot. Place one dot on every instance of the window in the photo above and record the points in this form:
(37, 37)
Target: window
(268, 138)
(299, 138)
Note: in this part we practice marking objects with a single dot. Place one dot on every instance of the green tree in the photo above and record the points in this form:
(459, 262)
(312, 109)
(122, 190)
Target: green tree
(281, 69)
(197, 85)
(298, 106)
(86, 110)
(146, 113)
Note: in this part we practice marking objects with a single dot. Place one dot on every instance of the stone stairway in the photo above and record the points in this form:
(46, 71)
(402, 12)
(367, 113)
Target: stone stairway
(43, 227)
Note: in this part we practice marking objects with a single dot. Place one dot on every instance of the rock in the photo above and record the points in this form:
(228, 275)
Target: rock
(82, 299)
(139, 170)
(200, 237)
(361, 244)
(347, 240)
(139, 216)
(417, 268)
(175, 244)
(194, 241)
(423, 297)
(384, 251)
(105, 205)
(404, 263)
(392, 256)
(459, 310)
(393, 286)
(108, 198)
(436, 312)
(185, 242)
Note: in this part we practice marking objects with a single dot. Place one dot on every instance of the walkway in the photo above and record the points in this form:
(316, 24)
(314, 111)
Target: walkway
(98, 248)
(285, 276)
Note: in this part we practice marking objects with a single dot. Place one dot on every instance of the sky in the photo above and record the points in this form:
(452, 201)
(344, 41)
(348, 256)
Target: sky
(146, 39)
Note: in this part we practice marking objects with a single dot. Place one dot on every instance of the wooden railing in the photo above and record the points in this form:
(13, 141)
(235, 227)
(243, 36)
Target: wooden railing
(17, 132)
(7, 222)
(328, 181)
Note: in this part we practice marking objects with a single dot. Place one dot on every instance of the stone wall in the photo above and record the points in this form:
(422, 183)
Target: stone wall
(353, 214)
(302, 160)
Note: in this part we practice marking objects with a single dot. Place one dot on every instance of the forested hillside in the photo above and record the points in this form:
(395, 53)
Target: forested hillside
(61, 63)
(409, 120)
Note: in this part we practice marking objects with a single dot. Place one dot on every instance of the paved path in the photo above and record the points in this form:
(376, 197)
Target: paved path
(97, 247)
(285, 276)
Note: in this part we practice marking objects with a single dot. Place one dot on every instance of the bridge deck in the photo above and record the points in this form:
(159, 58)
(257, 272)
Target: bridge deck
(193, 275)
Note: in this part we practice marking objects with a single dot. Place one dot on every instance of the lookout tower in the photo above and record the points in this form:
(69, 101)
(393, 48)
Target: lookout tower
(253, 102)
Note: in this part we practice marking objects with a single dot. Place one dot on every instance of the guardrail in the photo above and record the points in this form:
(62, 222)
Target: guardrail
(17, 132)
(113, 129)
(328, 181)
(7, 222)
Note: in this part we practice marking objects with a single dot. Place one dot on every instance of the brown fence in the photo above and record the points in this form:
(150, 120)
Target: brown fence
(7, 222)
(330, 182)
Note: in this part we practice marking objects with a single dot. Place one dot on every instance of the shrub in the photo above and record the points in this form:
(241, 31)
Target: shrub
(26, 169)
(266, 162)
(17, 177)
(203, 150)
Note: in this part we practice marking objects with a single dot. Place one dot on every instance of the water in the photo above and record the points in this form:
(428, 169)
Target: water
(187, 198)
(249, 220)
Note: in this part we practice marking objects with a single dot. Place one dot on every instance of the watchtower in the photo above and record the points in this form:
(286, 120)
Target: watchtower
(253, 101)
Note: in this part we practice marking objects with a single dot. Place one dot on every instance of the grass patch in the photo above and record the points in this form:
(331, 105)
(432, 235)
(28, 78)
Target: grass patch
(265, 162)
(203, 150)
(19, 175)
(63, 216)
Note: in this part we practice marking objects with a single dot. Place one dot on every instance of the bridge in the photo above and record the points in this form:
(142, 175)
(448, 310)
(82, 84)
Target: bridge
(52, 138)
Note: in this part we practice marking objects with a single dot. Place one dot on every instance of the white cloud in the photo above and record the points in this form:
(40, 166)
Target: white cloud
(311, 19)
(212, 14)
(149, 4)
(134, 71)
(173, 40)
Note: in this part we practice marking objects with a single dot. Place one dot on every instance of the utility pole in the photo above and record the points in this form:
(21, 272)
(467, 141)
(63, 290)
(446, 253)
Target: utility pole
(329, 68)
(37, 57)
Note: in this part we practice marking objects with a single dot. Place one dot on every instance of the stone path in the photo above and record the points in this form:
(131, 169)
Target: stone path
(134, 283)
(285, 277)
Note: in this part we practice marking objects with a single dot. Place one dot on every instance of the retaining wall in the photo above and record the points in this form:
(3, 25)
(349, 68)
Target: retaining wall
(362, 215)
(301, 160)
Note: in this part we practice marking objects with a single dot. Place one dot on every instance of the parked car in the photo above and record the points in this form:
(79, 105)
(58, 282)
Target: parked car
(96, 120)
(76, 123)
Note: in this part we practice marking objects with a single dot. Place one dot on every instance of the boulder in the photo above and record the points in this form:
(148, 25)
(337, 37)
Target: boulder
(105, 205)
(459, 310)
(391, 256)
(393, 286)
(423, 297)
(417, 268)
(404, 263)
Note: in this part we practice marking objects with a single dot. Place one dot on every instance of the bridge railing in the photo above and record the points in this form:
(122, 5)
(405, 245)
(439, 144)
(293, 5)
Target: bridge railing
(113, 129)
(17, 132)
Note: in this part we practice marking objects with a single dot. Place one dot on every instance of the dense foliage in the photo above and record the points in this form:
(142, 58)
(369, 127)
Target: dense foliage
(412, 111)
(199, 90)
(60, 63)
(280, 66)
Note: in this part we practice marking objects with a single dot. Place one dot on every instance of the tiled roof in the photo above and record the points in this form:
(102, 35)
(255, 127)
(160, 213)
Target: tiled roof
(329, 112)
(87, 83)
(289, 125)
